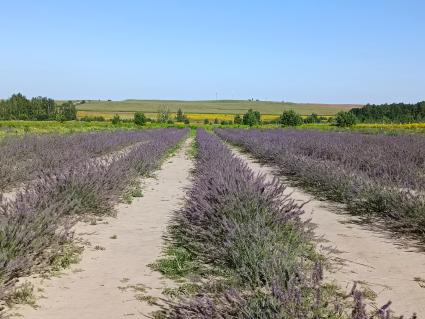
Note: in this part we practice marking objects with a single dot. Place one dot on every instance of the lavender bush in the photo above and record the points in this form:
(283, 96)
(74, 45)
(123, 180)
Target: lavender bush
(34, 226)
(252, 236)
(375, 175)
(24, 158)
(237, 222)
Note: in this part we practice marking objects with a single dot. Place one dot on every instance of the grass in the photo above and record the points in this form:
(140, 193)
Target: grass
(134, 190)
(177, 263)
(13, 128)
(23, 294)
(68, 255)
(213, 106)
(40, 127)
(186, 289)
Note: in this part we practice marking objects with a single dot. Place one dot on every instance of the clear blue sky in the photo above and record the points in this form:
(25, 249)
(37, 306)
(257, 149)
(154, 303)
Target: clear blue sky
(335, 51)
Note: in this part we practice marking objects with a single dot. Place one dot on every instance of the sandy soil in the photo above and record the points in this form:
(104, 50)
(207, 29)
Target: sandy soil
(394, 270)
(113, 274)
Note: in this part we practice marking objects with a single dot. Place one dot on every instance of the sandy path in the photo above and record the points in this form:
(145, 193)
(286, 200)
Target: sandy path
(365, 255)
(100, 285)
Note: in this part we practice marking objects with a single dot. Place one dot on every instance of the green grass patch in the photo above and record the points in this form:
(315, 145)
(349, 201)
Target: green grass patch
(21, 295)
(177, 263)
(68, 255)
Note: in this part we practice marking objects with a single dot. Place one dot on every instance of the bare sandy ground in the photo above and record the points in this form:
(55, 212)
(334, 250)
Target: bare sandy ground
(392, 269)
(113, 280)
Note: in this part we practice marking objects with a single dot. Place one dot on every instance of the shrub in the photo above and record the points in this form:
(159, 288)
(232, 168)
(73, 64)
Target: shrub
(139, 118)
(236, 221)
(36, 224)
(345, 119)
(375, 175)
(163, 115)
(251, 118)
(290, 118)
(180, 117)
(247, 242)
(92, 119)
(116, 119)
(313, 118)
(237, 119)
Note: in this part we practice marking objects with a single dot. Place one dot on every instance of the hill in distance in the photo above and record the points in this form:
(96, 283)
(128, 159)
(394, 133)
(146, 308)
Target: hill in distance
(212, 106)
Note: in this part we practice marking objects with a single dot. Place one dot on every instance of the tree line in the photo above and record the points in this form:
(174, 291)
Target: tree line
(390, 113)
(18, 107)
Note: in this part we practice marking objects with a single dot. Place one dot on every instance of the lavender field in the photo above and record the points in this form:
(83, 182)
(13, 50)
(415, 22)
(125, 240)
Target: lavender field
(63, 179)
(25, 158)
(245, 237)
(235, 242)
(374, 175)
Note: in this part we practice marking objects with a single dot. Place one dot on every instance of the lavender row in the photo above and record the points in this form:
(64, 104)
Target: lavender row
(236, 222)
(375, 175)
(35, 226)
(23, 158)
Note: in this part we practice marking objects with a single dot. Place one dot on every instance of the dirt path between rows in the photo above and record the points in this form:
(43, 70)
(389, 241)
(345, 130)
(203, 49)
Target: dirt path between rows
(392, 270)
(113, 280)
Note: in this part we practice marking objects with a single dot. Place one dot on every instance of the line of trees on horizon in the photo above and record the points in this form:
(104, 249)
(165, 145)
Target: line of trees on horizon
(390, 113)
(18, 107)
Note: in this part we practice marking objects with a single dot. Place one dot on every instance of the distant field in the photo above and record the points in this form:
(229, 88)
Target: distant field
(193, 117)
(213, 107)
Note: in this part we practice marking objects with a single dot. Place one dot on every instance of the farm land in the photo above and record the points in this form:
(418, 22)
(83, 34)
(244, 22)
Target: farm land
(212, 106)
(203, 221)
(198, 111)
(212, 160)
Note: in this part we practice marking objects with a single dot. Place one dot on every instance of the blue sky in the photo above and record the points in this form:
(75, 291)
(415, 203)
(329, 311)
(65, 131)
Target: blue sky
(330, 51)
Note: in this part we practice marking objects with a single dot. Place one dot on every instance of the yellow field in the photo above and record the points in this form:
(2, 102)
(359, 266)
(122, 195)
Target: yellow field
(392, 126)
(193, 117)
(105, 115)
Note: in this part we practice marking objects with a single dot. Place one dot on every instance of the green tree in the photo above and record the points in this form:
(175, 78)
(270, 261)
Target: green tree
(237, 119)
(42, 108)
(345, 119)
(216, 121)
(251, 118)
(39, 108)
(180, 117)
(68, 111)
(139, 118)
(206, 121)
(163, 115)
(116, 119)
(290, 118)
(313, 118)
(20, 107)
